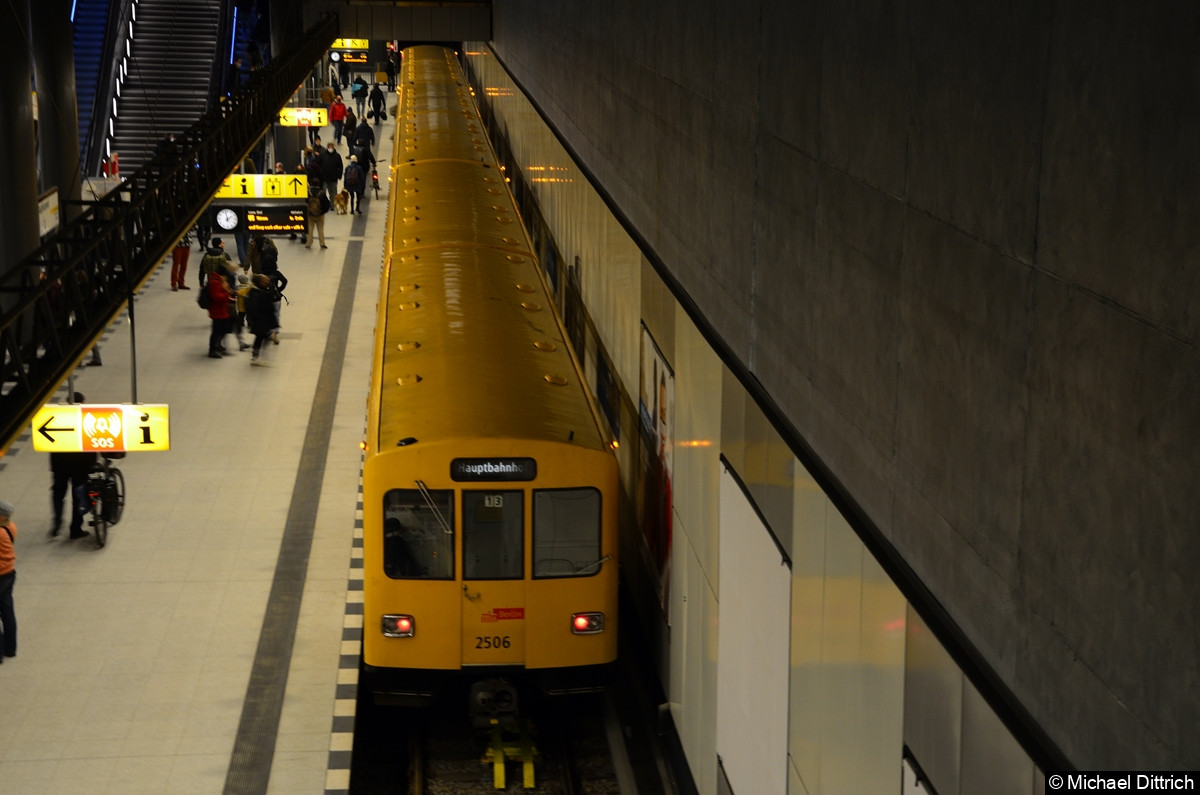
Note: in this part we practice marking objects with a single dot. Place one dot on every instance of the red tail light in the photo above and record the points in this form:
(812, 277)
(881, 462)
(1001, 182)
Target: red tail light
(587, 623)
(399, 626)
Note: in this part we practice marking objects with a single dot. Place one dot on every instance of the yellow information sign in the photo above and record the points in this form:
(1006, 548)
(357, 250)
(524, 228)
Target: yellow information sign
(89, 428)
(351, 44)
(304, 117)
(263, 186)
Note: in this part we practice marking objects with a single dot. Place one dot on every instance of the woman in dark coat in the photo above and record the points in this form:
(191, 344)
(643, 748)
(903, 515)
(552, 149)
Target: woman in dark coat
(260, 315)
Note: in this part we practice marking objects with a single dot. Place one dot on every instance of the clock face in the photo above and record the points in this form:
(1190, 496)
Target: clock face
(226, 218)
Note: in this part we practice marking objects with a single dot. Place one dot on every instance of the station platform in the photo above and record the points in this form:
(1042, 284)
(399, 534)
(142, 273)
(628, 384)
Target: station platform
(212, 644)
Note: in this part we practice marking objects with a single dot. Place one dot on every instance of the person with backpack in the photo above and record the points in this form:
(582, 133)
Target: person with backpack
(354, 179)
(318, 205)
(213, 262)
(359, 92)
(259, 246)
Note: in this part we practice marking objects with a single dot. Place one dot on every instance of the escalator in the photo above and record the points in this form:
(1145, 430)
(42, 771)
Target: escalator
(91, 23)
(167, 84)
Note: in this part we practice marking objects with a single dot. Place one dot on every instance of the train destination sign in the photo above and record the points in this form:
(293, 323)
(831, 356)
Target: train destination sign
(274, 219)
(464, 469)
(96, 428)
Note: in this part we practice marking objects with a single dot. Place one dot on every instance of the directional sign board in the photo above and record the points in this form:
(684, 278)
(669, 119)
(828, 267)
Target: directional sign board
(351, 44)
(304, 117)
(91, 428)
(263, 186)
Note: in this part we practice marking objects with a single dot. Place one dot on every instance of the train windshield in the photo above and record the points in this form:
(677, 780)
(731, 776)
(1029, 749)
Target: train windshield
(418, 534)
(566, 532)
(493, 535)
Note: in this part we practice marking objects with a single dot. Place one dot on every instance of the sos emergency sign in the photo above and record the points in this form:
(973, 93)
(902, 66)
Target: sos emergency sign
(87, 428)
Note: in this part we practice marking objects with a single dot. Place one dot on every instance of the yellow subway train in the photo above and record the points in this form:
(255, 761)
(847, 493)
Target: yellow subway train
(490, 487)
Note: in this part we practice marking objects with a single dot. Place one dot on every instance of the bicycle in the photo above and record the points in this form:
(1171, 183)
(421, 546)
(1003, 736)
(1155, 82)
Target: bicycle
(106, 496)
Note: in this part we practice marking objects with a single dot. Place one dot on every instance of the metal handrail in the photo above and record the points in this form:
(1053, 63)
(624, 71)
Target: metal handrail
(80, 279)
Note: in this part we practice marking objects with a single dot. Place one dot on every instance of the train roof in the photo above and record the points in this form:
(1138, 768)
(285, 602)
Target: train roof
(469, 341)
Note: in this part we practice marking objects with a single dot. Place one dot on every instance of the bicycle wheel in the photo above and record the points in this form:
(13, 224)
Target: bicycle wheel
(99, 525)
(116, 503)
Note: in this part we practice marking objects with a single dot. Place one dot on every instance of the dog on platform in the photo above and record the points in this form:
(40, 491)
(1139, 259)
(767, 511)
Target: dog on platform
(341, 202)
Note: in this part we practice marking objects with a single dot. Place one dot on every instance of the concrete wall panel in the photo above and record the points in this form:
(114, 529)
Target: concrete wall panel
(958, 250)
(975, 145)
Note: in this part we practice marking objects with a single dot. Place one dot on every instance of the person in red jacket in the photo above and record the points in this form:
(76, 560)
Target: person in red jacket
(8, 576)
(218, 309)
(337, 115)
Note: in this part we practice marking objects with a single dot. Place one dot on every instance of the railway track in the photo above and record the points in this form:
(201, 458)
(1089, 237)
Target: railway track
(561, 747)
(437, 751)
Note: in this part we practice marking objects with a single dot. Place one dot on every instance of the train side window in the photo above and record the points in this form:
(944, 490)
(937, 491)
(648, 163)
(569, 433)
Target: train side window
(566, 533)
(418, 534)
(493, 535)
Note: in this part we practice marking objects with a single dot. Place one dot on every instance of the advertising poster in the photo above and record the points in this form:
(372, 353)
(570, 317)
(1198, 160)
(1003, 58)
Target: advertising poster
(656, 411)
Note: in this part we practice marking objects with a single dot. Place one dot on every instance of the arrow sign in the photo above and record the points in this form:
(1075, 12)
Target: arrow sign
(45, 429)
(101, 428)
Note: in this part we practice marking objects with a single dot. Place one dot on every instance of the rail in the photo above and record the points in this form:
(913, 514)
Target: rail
(59, 299)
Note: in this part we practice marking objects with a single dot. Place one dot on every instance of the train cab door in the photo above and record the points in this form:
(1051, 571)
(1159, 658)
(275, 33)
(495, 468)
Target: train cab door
(493, 567)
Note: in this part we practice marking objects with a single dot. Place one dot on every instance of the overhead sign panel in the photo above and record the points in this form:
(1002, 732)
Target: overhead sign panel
(304, 117)
(351, 44)
(95, 428)
(263, 186)
(275, 219)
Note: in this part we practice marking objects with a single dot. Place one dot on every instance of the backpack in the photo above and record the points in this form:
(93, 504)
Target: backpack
(204, 299)
(314, 205)
(212, 263)
(353, 176)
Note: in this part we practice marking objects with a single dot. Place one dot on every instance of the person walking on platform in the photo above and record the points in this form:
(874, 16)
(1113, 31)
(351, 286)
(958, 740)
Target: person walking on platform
(330, 163)
(364, 136)
(8, 578)
(359, 92)
(179, 262)
(276, 284)
(355, 180)
(260, 316)
(70, 471)
(318, 205)
(219, 298)
(239, 284)
(377, 102)
(337, 117)
(348, 128)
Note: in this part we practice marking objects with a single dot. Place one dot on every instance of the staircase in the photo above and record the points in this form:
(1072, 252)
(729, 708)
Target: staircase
(91, 20)
(166, 88)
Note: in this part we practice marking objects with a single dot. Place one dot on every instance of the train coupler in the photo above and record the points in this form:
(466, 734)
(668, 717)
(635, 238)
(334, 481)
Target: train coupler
(511, 741)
